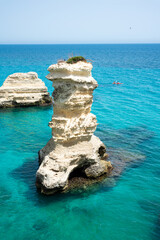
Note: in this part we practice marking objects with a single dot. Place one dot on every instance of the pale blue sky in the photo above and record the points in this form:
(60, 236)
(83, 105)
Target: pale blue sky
(83, 21)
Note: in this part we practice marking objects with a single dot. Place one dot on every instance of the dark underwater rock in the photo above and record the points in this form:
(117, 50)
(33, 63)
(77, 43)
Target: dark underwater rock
(120, 160)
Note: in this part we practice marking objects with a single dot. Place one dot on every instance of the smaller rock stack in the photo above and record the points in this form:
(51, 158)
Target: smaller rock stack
(73, 145)
(24, 89)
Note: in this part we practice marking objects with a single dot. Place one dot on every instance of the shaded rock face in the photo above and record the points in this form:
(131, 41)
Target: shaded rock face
(73, 145)
(24, 89)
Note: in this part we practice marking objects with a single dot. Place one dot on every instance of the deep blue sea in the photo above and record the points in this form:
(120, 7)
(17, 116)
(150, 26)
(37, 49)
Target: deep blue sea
(127, 208)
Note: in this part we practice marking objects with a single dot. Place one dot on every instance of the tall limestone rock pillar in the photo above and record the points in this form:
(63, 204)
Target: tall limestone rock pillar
(73, 144)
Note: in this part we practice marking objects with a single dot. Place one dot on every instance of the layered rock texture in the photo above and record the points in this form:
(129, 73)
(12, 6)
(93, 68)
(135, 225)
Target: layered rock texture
(24, 89)
(73, 145)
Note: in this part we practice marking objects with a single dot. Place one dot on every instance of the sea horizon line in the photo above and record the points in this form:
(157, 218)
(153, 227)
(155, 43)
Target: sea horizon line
(80, 43)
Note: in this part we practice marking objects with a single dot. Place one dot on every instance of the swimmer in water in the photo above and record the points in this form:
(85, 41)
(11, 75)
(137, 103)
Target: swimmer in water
(117, 82)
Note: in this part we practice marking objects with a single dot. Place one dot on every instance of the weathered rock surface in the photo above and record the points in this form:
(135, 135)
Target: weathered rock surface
(24, 89)
(73, 145)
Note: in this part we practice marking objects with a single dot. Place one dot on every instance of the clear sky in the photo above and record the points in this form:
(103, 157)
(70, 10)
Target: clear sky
(83, 21)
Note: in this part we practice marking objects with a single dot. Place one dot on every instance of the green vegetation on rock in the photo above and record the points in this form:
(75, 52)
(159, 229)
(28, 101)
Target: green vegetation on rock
(76, 59)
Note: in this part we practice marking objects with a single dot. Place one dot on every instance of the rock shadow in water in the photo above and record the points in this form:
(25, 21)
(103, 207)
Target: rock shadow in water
(5, 195)
(156, 231)
(152, 208)
(27, 174)
(120, 158)
(137, 133)
(81, 188)
(128, 138)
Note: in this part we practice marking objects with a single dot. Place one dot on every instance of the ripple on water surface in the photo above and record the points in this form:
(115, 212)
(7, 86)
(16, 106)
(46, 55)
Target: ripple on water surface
(125, 206)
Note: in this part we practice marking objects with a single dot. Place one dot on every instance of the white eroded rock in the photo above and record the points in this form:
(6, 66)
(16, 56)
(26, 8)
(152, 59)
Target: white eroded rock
(24, 89)
(73, 144)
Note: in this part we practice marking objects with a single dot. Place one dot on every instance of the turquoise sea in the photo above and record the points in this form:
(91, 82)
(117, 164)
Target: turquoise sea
(125, 208)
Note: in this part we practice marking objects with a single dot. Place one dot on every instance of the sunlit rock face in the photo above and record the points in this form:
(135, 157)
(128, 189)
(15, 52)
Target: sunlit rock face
(73, 145)
(24, 89)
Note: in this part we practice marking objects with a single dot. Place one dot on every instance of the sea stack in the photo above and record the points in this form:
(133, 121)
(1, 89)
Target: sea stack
(73, 145)
(24, 89)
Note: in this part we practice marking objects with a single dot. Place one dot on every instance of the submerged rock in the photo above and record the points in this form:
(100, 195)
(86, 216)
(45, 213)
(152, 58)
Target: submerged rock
(24, 89)
(120, 160)
(72, 146)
